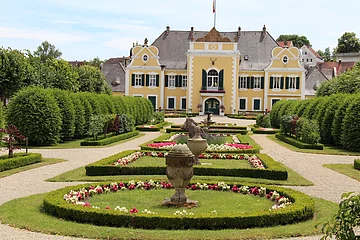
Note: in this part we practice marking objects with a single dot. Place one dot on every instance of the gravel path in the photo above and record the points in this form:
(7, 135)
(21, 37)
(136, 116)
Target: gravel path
(328, 184)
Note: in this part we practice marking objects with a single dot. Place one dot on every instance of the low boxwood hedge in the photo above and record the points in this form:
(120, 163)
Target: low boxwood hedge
(110, 140)
(212, 130)
(297, 143)
(273, 170)
(241, 117)
(155, 128)
(301, 209)
(18, 160)
(261, 131)
(357, 164)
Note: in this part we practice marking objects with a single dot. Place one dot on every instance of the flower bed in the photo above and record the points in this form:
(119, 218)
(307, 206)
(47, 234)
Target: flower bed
(357, 164)
(151, 128)
(265, 130)
(110, 139)
(290, 207)
(297, 143)
(262, 166)
(18, 160)
(213, 130)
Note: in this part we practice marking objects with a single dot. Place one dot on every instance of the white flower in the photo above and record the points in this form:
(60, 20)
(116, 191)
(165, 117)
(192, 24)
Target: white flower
(121, 209)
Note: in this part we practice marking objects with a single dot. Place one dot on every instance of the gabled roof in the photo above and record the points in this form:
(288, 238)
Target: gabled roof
(285, 44)
(313, 52)
(173, 46)
(114, 71)
(340, 67)
(314, 77)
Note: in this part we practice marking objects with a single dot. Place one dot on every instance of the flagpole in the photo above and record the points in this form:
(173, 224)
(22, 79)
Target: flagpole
(214, 12)
(214, 18)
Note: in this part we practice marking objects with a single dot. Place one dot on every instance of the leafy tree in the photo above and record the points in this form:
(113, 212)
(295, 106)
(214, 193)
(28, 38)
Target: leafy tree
(91, 79)
(47, 51)
(60, 75)
(348, 43)
(297, 40)
(326, 55)
(96, 126)
(12, 136)
(96, 62)
(79, 115)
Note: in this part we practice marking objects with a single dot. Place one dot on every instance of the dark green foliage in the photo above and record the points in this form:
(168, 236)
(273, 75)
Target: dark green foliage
(126, 124)
(91, 79)
(106, 103)
(80, 121)
(110, 139)
(18, 160)
(285, 109)
(302, 107)
(96, 126)
(121, 106)
(36, 114)
(357, 164)
(336, 129)
(263, 120)
(302, 209)
(274, 114)
(351, 126)
(158, 117)
(2, 117)
(97, 106)
(286, 125)
(297, 143)
(297, 40)
(309, 131)
(67, 111)
(88, 112)
(310, 110)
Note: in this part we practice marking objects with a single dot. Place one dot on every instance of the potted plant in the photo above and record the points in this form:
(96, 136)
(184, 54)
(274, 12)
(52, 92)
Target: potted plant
(222, 108)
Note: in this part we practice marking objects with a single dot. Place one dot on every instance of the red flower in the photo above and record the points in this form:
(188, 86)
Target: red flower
(121, 185)
(254, 190)
(235, 189)
(193, 187)
(87, 204)
(108, 208)
(131, 187)
(133, 210)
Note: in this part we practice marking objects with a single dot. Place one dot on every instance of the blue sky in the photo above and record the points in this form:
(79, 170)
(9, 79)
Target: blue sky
(84, 29)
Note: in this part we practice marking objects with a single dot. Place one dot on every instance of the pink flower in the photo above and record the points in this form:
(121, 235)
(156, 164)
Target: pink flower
(133, 210)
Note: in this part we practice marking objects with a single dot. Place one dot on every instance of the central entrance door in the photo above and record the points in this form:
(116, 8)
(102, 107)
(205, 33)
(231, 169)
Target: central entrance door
(212, 105)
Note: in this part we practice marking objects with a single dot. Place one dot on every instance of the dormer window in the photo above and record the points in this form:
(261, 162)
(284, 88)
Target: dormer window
(246, 57)
(285, 59)
(145, 57)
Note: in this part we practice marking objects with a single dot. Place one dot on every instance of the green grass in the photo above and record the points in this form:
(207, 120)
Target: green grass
(33, 218)
(147, 161)
(331, 150)
(208, 202)
(248, 139)
(76, 144)
(79, 175)
(44, 162)
(346, 169)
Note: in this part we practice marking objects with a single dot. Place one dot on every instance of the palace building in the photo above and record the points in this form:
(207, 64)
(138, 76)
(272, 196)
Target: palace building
(218, 72)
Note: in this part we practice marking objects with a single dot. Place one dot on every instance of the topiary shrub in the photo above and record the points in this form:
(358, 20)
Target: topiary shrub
(120, 105)
(107, 102)
(301, 107)
(263, 121)
(35, 112)
(288, 124)
(357, 164)
(310, 110)
(309, 131)
(286, 107)
(88, 112)
(96, 126)
(158, 117)
(351, 126)
(274, 113)
(126, 124)
(96, 104)
(79, 115)
(336, 129)
(67, 111)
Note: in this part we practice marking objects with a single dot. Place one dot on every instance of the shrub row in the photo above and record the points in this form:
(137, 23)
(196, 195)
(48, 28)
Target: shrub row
(297, 143)
(357, 164)
(154, 128)
(212, 130)
(47, 115)
(18, 160)
(263, 121)
(236, 116)
(302, 209)
(110, 139)
(230, 126)
(261, 131)
(336, 115)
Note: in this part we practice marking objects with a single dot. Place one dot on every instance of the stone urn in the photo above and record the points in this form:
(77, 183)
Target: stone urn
(179, 171)
(197, 144)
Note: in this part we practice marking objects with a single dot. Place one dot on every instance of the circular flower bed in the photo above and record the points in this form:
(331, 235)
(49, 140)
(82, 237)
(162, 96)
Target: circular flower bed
(289, 206)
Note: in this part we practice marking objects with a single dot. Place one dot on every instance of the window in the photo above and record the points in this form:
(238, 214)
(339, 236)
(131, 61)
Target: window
(138, 80)
(292, 82)
(145, 57)
(256, 104)
(305, 53)
(285, 59)
(183, 103)
(243, 83)
(184, 81)
(311, 60)
(257, 82)
(152, 80)
(171, 81)
(307, 60)
(242, 104)
(276, 83)
(213, 79)
(171, 103)
(274, 100)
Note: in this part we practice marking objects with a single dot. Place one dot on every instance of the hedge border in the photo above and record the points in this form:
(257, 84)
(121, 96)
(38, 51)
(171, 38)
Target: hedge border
(357, 164)
(214, 126)
(236, 116)
(19, 160)
(110, 140)
(156, 128)
(259, 131)
(298, 143)
(273, 170)
(231, 130)
(301, 209)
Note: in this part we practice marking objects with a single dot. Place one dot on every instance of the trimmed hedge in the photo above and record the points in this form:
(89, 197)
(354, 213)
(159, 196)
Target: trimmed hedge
(357, 164)
(19, 160)
(260, 131)
(301, 209)
(273, 170)
(230, 126)
(351, 126)
(211, 130)
(236, 116)
(110, 140)
(297, 143)
(155, 128)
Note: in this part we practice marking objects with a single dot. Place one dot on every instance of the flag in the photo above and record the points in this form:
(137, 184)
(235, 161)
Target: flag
(214, 5)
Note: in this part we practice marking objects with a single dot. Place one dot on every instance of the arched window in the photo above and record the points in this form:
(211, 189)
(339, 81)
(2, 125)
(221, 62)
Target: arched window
(212, 79)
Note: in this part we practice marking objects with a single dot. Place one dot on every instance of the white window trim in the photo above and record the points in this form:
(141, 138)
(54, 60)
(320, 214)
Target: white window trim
(156, 99)
(187, 81)
(259, 88)
(167, 102)
(292, 89)
(253, 105)
(138, 95)
(287, 57)
(152, 87)
(246, 103)
(271, 100)
(240, 88)
(147, 59)
(181, 103)
(276, 89)
(171, 75)
(139, 86)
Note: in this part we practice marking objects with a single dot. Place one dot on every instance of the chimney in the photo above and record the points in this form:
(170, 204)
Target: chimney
(167, 29)
(264, 31)
(191, 35)
(239, 31)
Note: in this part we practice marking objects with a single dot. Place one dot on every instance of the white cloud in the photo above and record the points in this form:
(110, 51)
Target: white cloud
(123, 44)
(42, 35)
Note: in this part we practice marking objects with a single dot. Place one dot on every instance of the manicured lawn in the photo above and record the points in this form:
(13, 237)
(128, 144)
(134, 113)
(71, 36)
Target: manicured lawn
(147, 161)
(332, 150)
(31, 217)
(346, 169)
(76, 144)
(79, 175)
(44, 162)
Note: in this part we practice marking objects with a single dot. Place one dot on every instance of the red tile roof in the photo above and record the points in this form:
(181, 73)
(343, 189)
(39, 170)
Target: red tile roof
(117, 60)
(340, 67)
(314, 52)
(288, 44)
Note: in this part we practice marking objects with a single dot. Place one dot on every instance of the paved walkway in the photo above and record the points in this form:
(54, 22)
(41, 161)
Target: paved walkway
(328, 184)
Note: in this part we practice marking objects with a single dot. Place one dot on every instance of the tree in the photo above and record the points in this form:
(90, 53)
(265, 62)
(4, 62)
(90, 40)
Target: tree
(96, 62)
(46, 51)
(91, 79)
(348, 43)
(59, 74)
(326, 55)
(297, 40)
